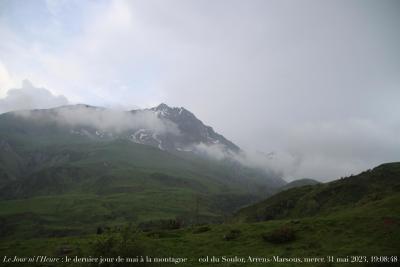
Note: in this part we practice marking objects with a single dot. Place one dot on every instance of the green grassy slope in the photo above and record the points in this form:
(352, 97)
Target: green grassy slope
(298, 183)
(367, 224)
(322, 199)
(121, 182)
(366, 230)
(53, 183)
(58, 190)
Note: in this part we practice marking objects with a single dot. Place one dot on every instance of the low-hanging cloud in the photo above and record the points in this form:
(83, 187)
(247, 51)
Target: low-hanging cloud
(323, 151)
(247, 158)
(286, 77)
(30, 97)
(330, 149)
(107, 120)
(30, 101)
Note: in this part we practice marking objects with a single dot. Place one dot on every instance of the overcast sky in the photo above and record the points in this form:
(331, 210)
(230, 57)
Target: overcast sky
(315, 82)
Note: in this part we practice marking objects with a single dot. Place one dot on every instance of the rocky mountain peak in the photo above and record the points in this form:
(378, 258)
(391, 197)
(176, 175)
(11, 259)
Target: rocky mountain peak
(193, 131)
(172, 129)
(162, 106)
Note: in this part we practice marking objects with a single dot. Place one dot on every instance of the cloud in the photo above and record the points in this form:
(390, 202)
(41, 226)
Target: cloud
(320, 150)
(330, 149)
(247, 158)
(216, 151)
(268, 75)
(107, 120)
(6, 81)
(30, 97)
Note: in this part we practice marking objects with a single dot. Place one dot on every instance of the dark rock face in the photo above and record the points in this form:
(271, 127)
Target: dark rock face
(192, 130)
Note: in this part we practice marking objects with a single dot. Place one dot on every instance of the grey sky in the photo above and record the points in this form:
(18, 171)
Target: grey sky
(316, 82)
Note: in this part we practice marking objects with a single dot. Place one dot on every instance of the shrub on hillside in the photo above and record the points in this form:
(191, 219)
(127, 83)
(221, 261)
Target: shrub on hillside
(281, 235)
(201, 229)
(112, 245)
(171, 224)
(232, 235)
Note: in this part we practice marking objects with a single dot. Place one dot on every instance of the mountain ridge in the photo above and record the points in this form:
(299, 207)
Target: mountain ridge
(58, 155)
(178, 128)
(323, 198)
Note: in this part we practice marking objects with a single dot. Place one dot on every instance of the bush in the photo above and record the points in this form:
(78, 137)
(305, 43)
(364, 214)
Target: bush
(232, 235)
(171, 224)
(112, 245)
(201, 229)
(162, 234)
(281, 235)
(99, 230)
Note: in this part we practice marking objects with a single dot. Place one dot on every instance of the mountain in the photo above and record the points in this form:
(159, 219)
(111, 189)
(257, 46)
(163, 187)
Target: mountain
(74, 181)
(298, 183)
(192, 130)
(174, 130)
(64, 168)
(345, 193)
(164, 127)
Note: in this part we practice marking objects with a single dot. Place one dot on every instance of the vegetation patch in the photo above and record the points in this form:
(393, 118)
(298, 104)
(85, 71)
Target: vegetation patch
(171, 224)
(201, 229)
(284, 234)
(232, 235)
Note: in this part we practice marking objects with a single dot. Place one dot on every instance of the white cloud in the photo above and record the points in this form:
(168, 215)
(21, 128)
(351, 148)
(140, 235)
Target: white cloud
(30, 97)
(107, 120)
(6, 81)
(284, 76)
(330, 149)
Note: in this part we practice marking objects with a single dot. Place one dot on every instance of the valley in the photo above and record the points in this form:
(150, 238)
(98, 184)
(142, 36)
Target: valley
(67, 195)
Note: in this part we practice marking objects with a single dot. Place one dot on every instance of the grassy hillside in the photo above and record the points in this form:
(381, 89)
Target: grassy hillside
(370, 228)
(298, 183)
(326, 198)
(120, 182)
(67, 195)
(53, 183)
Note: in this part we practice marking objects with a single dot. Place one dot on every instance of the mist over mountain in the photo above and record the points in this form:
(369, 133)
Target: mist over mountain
(167, 128)
(164, 127)
(100, 152)
(166, 131)
(322, 150)
(170, 129)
